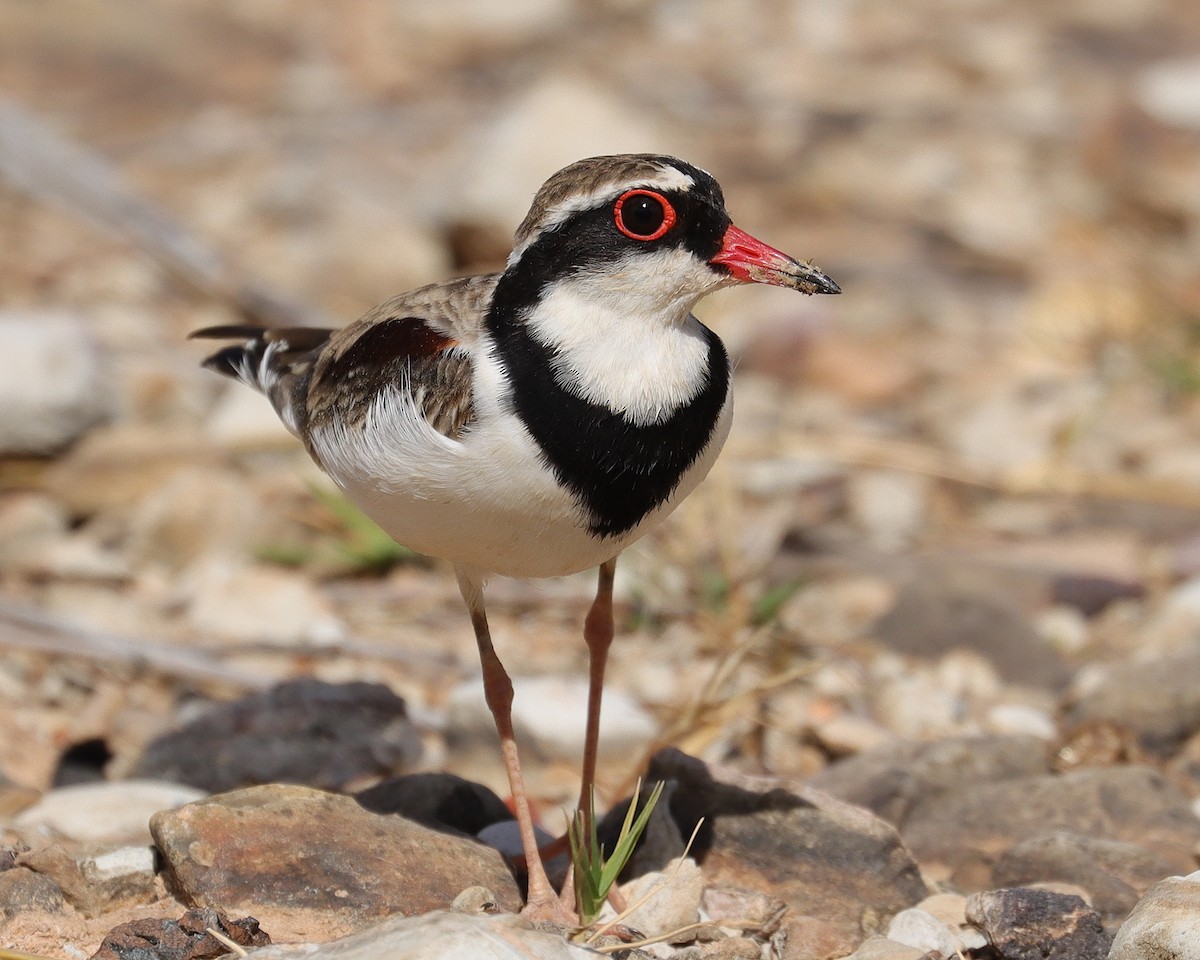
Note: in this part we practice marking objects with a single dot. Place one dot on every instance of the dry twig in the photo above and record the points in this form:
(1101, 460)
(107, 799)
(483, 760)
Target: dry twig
(225, 941)
(31, 629)
(45, 165)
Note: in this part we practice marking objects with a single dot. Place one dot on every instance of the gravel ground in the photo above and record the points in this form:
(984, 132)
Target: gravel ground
(959, 506)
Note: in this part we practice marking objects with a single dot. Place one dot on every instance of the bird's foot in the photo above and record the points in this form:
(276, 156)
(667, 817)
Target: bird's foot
(551, 909)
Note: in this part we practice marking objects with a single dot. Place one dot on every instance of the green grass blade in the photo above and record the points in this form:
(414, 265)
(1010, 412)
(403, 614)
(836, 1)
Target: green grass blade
(628, 839)
(595, 876)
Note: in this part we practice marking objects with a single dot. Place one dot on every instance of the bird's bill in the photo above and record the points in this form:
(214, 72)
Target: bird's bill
(751, 261)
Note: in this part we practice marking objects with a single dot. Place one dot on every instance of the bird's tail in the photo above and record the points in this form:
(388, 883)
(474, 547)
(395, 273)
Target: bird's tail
(276, 362)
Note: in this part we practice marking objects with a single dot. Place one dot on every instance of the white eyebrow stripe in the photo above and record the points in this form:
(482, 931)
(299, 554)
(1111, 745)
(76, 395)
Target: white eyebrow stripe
(668, 179)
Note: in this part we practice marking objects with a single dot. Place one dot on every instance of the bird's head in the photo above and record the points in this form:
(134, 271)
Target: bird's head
(647, 232)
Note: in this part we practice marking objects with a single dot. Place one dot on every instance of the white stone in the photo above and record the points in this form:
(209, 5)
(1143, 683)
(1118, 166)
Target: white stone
(1184, 599)
(1019, 718)
(1064, 628)
(1170, 91)
(779, 476)
(52, 383)
(260, 604)
(881, 948)
(830, 612)
(922, 930)
(78, 557)
(1017, 425)
(96, 812)
(28, 522)
(672, 898)
(197, 511)
(890, 505)
(550, 714)
(437, 936)
(470, 22)
(845, 733)
(917, 706)
(950, 908)
(244, 418)
(392, 246)
(1008, 219)
(1165, 923)
(116, 864)
(657, 682)
(968, 674)
(1172, 624)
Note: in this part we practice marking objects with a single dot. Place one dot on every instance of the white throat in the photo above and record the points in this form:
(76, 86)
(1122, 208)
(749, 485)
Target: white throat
(625, 338)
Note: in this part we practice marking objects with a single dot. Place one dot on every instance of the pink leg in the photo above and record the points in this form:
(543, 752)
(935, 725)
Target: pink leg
(598, 632)
(541, 903)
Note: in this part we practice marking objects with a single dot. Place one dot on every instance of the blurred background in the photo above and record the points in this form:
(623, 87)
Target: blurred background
(953, 494)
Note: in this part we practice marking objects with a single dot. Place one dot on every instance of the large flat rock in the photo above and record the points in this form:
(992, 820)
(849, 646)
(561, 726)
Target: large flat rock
(314, 865)
(841, 871)
(963, 831)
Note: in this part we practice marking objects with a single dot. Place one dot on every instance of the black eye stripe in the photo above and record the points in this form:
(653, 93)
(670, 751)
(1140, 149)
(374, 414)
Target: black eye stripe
(588, 239)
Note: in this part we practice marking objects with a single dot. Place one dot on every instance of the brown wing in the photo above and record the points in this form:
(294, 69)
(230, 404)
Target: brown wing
(421, 341)
(395, 351)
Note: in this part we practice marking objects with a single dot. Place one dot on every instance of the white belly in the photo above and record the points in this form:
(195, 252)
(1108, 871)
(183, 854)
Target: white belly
(487, 501)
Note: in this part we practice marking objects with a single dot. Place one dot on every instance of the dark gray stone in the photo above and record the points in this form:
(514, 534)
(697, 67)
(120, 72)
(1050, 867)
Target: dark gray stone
(948, 610)
(968, 828)
(187, 938)
(304, 731)
(1159, 700)
(891, 778)
(1091, 594)
(1027, 924)
(1114, 873)
(841, 871)
(22, 890)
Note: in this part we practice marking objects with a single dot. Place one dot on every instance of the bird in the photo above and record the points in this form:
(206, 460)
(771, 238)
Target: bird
(536, 421)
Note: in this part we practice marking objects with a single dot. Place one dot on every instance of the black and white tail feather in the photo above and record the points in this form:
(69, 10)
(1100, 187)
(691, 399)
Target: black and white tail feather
(276, 362)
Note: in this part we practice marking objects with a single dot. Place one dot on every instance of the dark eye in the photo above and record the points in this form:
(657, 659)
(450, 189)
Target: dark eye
(643, 214)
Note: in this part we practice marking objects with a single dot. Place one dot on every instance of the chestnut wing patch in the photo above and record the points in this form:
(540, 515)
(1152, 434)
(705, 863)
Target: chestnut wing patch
(397, 351)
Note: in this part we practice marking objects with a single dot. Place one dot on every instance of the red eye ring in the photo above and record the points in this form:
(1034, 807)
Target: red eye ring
(668, 215)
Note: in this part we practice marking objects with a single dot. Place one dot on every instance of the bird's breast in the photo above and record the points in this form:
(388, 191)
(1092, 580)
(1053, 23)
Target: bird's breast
(621, 464)
(639, 364)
